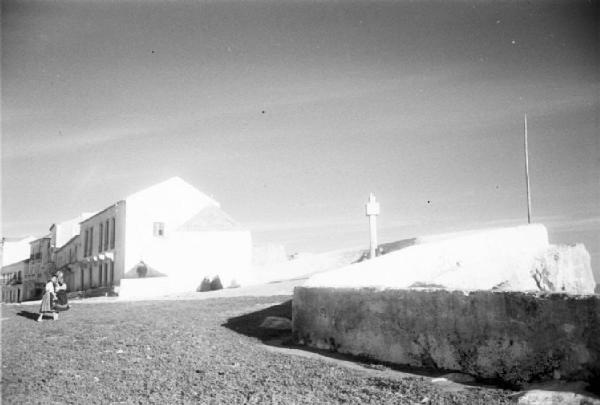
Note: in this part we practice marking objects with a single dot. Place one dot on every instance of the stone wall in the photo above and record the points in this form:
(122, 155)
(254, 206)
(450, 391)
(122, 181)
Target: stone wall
(514, 337)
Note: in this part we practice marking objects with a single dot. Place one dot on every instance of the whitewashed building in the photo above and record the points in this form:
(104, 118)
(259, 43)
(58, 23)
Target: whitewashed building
(25, 264)
(15, 258)
(61, 233)
(40, 261)
(163, 239)
(15, 265)
(68, 259)
(160, 240)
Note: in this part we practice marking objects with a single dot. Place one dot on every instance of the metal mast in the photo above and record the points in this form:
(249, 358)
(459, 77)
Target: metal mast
(527, 175)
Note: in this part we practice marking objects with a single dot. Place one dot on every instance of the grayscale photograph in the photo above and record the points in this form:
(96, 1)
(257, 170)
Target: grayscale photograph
(300, 202)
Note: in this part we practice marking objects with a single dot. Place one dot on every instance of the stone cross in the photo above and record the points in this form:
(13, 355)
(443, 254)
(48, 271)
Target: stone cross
(372, 208)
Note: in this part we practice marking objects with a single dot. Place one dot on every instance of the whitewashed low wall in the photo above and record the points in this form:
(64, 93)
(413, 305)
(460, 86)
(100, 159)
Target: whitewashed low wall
(305, 265)
(136, 288)
(506, 258)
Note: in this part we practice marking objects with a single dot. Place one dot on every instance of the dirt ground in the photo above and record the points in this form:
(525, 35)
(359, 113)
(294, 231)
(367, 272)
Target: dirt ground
(192, 351)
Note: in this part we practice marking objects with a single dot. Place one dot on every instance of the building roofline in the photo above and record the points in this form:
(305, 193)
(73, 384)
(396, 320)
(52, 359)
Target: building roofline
(67, 242)
(38, 239)
(83, 214)
(24, 261)
(102, 211)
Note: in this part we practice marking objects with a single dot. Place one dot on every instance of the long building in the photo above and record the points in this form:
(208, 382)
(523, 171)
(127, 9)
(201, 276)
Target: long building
(165, 238)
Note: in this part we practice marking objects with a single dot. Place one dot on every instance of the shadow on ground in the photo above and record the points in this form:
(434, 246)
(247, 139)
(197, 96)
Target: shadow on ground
(249, 325)
(29, 315)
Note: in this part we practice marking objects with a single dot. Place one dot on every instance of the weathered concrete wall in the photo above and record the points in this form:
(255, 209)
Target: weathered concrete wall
(512, 336)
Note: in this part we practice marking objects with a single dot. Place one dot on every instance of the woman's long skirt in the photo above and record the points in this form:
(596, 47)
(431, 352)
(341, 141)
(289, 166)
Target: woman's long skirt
(62, 302)
(47, 304)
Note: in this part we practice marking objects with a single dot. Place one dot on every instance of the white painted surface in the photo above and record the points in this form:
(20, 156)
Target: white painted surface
(184, 256)
(467, 261)
(136, 288)
(195, 255)
(16, 251)
(66, 230)
(304, 265)
(565, 268)
(171, 202)
(269, 254)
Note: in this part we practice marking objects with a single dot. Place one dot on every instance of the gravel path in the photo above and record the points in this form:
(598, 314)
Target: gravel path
(190, 351)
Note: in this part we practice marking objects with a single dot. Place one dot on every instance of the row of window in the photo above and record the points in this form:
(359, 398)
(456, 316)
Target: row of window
(6, 277)
(106, 237)
(106, 276)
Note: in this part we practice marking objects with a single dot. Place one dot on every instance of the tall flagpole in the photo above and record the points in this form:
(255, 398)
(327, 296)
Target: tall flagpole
(527, 175)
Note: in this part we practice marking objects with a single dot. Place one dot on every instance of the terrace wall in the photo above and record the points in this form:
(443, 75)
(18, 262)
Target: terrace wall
(515, 337)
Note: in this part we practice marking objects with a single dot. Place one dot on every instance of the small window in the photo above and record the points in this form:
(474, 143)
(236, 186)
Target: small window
(91, 246)
(106, 233)
(159, 229)
(100, 235)
(85, 242)
(112, 233)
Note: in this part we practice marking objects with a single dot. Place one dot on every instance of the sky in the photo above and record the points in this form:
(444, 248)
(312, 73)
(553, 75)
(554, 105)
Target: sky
(290, 113)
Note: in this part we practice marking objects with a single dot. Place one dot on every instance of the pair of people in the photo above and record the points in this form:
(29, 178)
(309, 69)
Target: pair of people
(54, 298)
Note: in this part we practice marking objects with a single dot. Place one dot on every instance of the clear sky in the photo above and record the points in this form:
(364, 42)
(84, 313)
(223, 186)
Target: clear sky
(290, 112)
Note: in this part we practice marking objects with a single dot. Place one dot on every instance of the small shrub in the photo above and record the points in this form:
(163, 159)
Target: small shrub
(141, 270)
(204, 286)
(216, 284)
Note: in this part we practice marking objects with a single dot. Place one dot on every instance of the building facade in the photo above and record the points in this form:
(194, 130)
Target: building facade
(68, 259)
(165, 238)
(15, 265)
(102, 248)
(41, 265)
(181, 235)
(14, 272)
(13, 289)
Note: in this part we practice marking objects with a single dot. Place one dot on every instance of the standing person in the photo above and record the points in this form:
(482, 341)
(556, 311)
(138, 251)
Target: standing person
(47, 305)
(62, 302)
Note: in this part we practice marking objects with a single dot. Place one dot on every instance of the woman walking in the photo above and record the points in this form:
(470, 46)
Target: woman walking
(47, 305)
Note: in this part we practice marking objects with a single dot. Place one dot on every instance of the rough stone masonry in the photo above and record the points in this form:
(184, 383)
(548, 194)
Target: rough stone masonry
(515, 337)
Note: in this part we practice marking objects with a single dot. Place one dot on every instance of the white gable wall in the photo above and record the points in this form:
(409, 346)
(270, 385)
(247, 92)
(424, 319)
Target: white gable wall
(64, 231)
(186, 257)
(172, 202)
